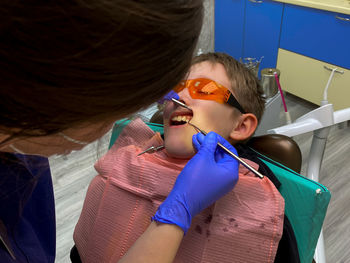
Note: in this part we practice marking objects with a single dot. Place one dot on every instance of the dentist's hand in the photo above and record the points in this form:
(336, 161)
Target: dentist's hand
(208, 176)
(169, 96)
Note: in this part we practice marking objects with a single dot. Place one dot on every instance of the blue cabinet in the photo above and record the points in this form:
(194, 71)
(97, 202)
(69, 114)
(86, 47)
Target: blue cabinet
(263, 21)
(318, 34)
(229, 24)
(248, 28)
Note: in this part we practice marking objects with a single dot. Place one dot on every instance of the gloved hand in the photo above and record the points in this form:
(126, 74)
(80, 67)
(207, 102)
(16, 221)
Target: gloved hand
(208, 176)
(169, 96)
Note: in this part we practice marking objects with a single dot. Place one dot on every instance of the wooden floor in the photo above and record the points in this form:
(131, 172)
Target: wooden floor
(72, 174)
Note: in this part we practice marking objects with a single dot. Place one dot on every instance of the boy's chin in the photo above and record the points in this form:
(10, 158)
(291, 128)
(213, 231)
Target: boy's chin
(180, 153)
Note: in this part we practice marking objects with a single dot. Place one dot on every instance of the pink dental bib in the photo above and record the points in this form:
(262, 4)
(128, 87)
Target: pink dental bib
(244, 226)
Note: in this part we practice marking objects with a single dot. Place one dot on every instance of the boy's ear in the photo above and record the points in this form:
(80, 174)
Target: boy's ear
(245, 127)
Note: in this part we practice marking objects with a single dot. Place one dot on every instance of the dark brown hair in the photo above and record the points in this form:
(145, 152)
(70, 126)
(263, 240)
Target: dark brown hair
(63, 63)
(244, 83)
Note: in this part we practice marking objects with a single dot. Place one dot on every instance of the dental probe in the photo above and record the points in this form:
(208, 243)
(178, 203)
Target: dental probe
(180, 103)
(231, 153)
(223, 147)
(152, 149)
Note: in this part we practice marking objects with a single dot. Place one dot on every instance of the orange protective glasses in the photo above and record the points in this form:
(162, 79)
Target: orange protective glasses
(207, 89)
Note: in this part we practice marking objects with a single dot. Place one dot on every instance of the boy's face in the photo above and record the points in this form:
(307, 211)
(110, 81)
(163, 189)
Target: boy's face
(206, 114)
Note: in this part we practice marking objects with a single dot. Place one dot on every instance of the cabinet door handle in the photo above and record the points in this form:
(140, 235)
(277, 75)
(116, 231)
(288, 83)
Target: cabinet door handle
(256, 1)
(341, 18)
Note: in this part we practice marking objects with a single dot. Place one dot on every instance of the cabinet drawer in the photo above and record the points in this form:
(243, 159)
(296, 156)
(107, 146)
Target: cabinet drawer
(306, 78)
(229, 24)
(316, 33)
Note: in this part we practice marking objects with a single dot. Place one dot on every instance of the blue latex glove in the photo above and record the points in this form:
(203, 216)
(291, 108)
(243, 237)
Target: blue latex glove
(208, 176)
(169, 96)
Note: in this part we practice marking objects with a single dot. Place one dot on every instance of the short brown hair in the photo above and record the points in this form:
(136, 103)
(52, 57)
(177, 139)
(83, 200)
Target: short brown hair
(67, 62)
(245, 85)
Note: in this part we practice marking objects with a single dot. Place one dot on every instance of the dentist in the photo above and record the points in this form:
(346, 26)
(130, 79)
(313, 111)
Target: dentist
(68, 71)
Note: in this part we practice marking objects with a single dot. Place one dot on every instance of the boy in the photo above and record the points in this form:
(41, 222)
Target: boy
(235, 122)
(244, 226)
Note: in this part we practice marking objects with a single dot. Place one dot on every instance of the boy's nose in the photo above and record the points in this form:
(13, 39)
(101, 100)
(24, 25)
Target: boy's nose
(185, 96)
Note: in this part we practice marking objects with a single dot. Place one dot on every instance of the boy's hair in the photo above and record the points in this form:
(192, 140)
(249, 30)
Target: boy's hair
(245, 85)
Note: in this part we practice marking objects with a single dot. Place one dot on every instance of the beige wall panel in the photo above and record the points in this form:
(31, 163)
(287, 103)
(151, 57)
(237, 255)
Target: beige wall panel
(306, 78)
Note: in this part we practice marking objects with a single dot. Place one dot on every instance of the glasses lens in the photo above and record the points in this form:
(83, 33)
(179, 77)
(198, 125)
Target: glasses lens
(207, 89)
(179, 87)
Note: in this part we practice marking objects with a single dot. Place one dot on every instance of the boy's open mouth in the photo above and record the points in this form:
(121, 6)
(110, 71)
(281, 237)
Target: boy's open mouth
(180, 118)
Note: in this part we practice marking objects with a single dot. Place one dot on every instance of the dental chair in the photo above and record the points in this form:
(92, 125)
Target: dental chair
(306, 201)
(279, 148)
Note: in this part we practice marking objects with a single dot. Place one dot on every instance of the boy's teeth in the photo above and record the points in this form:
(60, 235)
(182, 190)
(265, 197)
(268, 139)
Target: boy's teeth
(181, 118)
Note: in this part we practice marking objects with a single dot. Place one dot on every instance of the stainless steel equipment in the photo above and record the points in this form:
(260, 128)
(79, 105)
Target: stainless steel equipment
(252, 64)
(268, 81)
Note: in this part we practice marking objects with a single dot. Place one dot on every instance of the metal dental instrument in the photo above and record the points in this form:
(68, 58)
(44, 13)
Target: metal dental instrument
(181, 104)
(230, 153)
(223, 147)
(152, 149)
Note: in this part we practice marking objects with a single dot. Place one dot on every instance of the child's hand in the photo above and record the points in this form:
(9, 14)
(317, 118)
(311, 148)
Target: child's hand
(208, 176)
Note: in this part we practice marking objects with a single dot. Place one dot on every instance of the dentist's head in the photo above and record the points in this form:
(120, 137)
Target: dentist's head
(74, 67)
